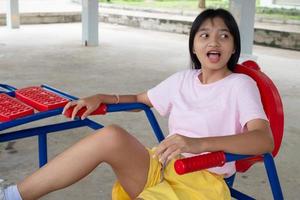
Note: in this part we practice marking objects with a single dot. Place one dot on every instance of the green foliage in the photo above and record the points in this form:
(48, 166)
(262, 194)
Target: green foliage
(283, 11)
(133, 0)
(192, 5)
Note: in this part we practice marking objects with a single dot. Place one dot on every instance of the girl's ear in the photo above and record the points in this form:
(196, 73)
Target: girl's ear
(233, 51)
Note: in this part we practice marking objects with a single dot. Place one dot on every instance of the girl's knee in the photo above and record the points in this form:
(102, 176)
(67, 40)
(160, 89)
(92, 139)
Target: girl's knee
(114, 135)
(114, 140)
(112, 131)
(114, 128)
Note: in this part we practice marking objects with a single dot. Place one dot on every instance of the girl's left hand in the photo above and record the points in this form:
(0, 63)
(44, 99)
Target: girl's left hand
(176, 144)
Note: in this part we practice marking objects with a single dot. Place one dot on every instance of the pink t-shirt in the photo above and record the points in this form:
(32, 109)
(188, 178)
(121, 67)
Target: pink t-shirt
(203, 110)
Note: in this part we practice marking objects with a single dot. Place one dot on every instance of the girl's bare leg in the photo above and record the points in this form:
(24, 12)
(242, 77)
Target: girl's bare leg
(113, 145)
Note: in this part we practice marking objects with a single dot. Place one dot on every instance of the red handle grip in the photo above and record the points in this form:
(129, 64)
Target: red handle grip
(205, 161)
(101, 110)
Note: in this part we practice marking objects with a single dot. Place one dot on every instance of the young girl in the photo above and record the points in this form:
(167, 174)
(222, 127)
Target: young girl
(210, 108)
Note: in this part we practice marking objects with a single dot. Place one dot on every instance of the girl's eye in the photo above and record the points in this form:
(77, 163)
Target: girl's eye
(223, 36)
(203, 35)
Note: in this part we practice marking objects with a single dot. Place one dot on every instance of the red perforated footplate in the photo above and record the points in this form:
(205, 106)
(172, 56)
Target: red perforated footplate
(11, 108)
(40, 99)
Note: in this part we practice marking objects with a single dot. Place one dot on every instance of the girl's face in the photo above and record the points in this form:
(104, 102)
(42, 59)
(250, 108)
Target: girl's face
(213, 44)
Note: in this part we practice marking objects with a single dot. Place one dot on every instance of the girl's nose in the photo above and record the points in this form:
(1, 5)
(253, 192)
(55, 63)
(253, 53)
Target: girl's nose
(213, 44)
(214, 41)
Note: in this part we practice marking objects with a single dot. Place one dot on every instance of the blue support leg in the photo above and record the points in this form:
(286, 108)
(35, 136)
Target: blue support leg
(43, 158)
(273, 177)
(154, 124)
(230, 180)
(239, 195)
(93, 125)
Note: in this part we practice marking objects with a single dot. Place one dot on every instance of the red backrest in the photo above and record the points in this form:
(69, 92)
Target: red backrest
(272, 105)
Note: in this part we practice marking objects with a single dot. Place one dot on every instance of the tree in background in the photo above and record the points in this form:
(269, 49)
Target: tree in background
(201, 4)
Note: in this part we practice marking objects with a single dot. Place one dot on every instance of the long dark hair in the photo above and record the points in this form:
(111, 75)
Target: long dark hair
(231, 25)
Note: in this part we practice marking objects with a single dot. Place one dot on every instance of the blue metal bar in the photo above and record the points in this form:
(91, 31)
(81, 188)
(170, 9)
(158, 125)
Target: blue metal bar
(229, 158)
(239, 195)
(230, 180)
(273, 177)
(271, 172)
(27, 119)
(155, 126)
(37, 130)
(92, 124)
(43, 158)
(233, 157)
(52, 89)
(139, 106)
(11, 93)
(126, 107)
(8, 87)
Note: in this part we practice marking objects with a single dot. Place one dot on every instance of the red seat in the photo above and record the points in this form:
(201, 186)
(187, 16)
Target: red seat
(272, 105)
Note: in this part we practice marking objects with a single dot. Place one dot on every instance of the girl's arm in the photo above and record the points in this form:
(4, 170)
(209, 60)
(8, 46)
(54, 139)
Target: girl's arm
(93, 102)
(256, 140)
(139, 98)
(112, 99)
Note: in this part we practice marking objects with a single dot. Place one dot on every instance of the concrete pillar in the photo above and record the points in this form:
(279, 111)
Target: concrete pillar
(89, 20)
(13, 15)
(244, 13)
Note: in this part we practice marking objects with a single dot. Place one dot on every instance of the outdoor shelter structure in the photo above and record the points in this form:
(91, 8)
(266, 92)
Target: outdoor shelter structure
(244, 12)
(89, 18)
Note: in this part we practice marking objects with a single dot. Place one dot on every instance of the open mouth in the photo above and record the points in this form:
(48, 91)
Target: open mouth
(214, 56)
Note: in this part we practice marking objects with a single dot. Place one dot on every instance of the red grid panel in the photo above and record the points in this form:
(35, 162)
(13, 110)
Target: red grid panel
(11, 108)
(40, 98)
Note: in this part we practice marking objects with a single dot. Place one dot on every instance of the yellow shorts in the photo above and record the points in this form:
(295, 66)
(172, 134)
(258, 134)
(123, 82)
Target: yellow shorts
(200, 185)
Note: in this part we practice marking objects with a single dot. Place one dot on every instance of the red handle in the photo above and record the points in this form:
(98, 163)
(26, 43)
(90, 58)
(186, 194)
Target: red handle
(101, 110)
(196, 163)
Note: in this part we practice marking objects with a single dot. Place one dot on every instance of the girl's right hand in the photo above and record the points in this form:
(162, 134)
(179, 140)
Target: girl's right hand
(91, 103)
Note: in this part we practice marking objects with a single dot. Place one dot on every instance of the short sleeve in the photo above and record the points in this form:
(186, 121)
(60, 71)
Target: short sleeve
(161, 95)
(249, 103)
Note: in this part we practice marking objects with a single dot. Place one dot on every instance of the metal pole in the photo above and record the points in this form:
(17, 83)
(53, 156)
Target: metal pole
(244, 13)
(43, 157)
(89, 20)
(13, 15)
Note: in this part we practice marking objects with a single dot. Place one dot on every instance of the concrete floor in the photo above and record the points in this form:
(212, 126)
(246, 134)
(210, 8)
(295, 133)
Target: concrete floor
(128, 60)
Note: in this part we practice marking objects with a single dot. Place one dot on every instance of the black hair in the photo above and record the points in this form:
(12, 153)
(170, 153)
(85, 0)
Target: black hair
(231, 25)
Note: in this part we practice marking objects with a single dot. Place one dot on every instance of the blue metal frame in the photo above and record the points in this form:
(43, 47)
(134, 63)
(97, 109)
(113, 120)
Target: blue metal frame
(7, 89)
(271, 172)
(42, 132)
